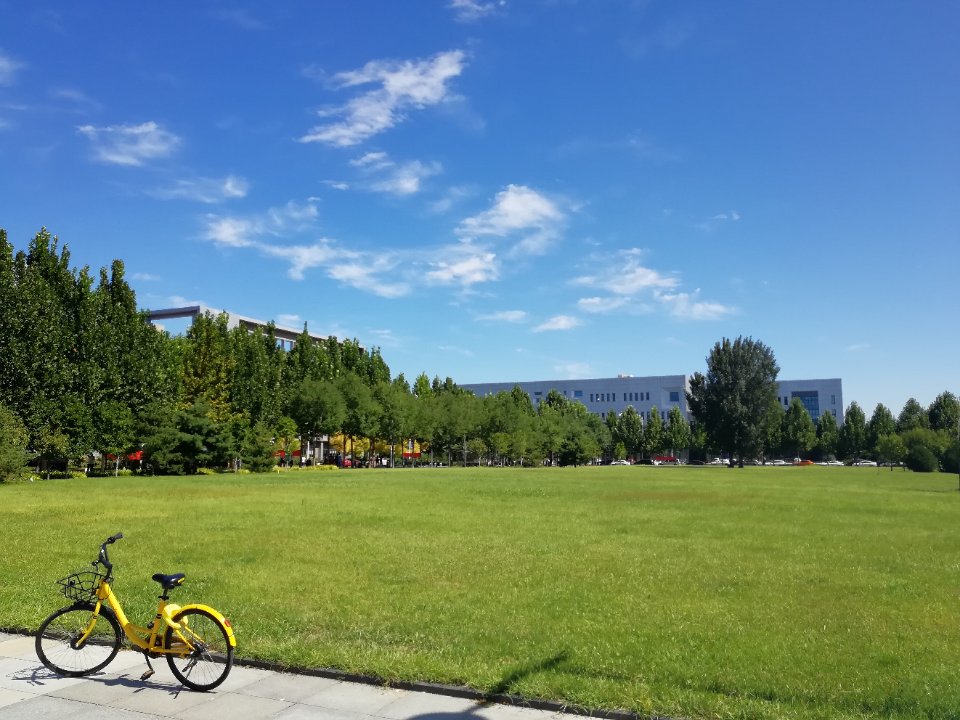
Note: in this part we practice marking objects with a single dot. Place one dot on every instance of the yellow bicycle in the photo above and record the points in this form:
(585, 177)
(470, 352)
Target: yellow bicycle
(84, 637)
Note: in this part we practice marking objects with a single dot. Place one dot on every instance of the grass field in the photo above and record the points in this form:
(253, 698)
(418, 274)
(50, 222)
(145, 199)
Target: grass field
(692, 592)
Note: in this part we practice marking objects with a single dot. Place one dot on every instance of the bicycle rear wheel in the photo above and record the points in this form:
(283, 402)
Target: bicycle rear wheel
(59, 644)
(205, 659)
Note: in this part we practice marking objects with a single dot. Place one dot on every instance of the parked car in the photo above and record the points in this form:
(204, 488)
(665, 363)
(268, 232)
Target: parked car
(864, 463)
(717, 461)
(619, 462)
(778, 461)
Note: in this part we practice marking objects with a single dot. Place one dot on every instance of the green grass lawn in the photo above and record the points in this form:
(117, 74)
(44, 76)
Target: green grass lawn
(696, 592)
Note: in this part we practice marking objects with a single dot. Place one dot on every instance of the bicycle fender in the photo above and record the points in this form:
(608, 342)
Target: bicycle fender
(218, 615)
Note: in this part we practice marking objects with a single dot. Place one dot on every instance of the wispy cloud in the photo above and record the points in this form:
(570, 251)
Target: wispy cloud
(688, 306)
(573, 370)
(289, 320)
(400, 86)
(230, 231)
(456, 349)
(858, 347)
(145, 277)
(368, 272)
(558, 322)
(241, 18)
(78, 101)
(630, 278)
(204, 190)
(8, 69)
(509, 316)
(467, 265)
(601, 305)
(385, 175)
(473, 10)
(712, 223)
(530, 220)
(130, 145)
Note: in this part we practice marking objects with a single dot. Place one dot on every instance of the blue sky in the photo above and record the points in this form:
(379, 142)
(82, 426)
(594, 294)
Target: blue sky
(498, 191)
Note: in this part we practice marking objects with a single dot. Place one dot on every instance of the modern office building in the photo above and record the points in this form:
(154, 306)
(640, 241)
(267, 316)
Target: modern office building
(286, 336)
(663, 392)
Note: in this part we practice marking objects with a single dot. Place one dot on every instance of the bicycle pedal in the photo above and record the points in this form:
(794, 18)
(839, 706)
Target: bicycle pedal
(148, 674)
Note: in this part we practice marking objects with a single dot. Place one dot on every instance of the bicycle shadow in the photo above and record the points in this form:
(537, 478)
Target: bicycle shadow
(41, 676)
(499, 694)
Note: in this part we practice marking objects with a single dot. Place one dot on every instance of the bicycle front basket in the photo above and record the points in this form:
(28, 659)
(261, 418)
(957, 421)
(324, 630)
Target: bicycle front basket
(81, 585)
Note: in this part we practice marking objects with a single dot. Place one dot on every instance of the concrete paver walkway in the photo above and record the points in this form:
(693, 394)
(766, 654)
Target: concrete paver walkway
(28, 690)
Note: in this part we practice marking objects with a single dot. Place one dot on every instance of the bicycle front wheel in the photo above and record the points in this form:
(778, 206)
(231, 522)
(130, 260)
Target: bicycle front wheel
(61, 645)
(202, 654)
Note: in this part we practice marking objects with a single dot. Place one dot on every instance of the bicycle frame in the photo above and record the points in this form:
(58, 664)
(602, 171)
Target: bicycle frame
(150, 639)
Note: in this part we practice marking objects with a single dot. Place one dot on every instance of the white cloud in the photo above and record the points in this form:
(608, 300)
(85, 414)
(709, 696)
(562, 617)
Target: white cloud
(519, 212)
(558, 322)
(369, 273)
(686, 306)
(468, 265)
(288, 320)
(719, 219)
(205, 190)
(473, 10)
(401, 86)
(130, 145)
(405, 179)
(510, 316)
(455, 349)
(337, 184)
(630, 277)
(858, 347)
(372, 159)
(303, 257)
(8, 69)
(600, 305)
(573, 370)
(80, 101)
(144, 277)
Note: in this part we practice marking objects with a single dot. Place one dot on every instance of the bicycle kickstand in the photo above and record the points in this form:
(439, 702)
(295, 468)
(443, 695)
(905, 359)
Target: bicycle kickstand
(150, 671)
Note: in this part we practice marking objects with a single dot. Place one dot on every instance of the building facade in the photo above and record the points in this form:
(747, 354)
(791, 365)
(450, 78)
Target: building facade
(662, 393)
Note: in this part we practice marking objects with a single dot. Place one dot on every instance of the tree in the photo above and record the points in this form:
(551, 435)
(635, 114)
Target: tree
(678, 433)
(799, 433)
(853, 434)
(828, 436)
(944, 414)
(317, 408)
(890, 449)
(912, 416)
(881, 424)
(653, 439)
(257, 448)
(733, 399)
(630, 431)
(13, 444)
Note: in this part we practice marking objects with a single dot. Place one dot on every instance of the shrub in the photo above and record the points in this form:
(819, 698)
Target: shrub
(922, 459)
(206, 471)
(951, 458)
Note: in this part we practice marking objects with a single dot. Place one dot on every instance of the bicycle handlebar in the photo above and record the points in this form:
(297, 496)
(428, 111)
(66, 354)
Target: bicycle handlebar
(104, 558)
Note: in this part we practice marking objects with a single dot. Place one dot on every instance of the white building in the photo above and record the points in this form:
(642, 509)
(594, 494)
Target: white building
(663, 392)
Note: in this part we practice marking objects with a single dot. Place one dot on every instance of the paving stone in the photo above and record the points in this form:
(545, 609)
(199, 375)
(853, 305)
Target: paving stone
(286, 686)
(19, 646)
(231, 705)
(355, 697)
(31, 677)
(420, 704)
(9, 697)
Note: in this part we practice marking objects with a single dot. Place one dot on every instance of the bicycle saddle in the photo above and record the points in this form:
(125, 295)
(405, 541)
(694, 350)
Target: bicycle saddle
(169, 582)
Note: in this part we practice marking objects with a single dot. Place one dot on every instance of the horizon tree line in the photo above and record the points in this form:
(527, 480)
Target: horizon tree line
(84, 374)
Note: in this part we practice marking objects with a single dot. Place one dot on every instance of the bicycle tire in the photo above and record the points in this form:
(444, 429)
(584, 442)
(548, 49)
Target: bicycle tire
(56, 641)
(209, 662)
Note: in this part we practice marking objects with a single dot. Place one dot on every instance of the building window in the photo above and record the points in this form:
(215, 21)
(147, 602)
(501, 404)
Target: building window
(578, 393)
(811, 401)
(674, 396)
(591, 397)
(833, 399)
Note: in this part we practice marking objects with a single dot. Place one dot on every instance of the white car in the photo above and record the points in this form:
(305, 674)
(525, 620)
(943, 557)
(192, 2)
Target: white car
(864, 463)
(619, 462)
(778, 461)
